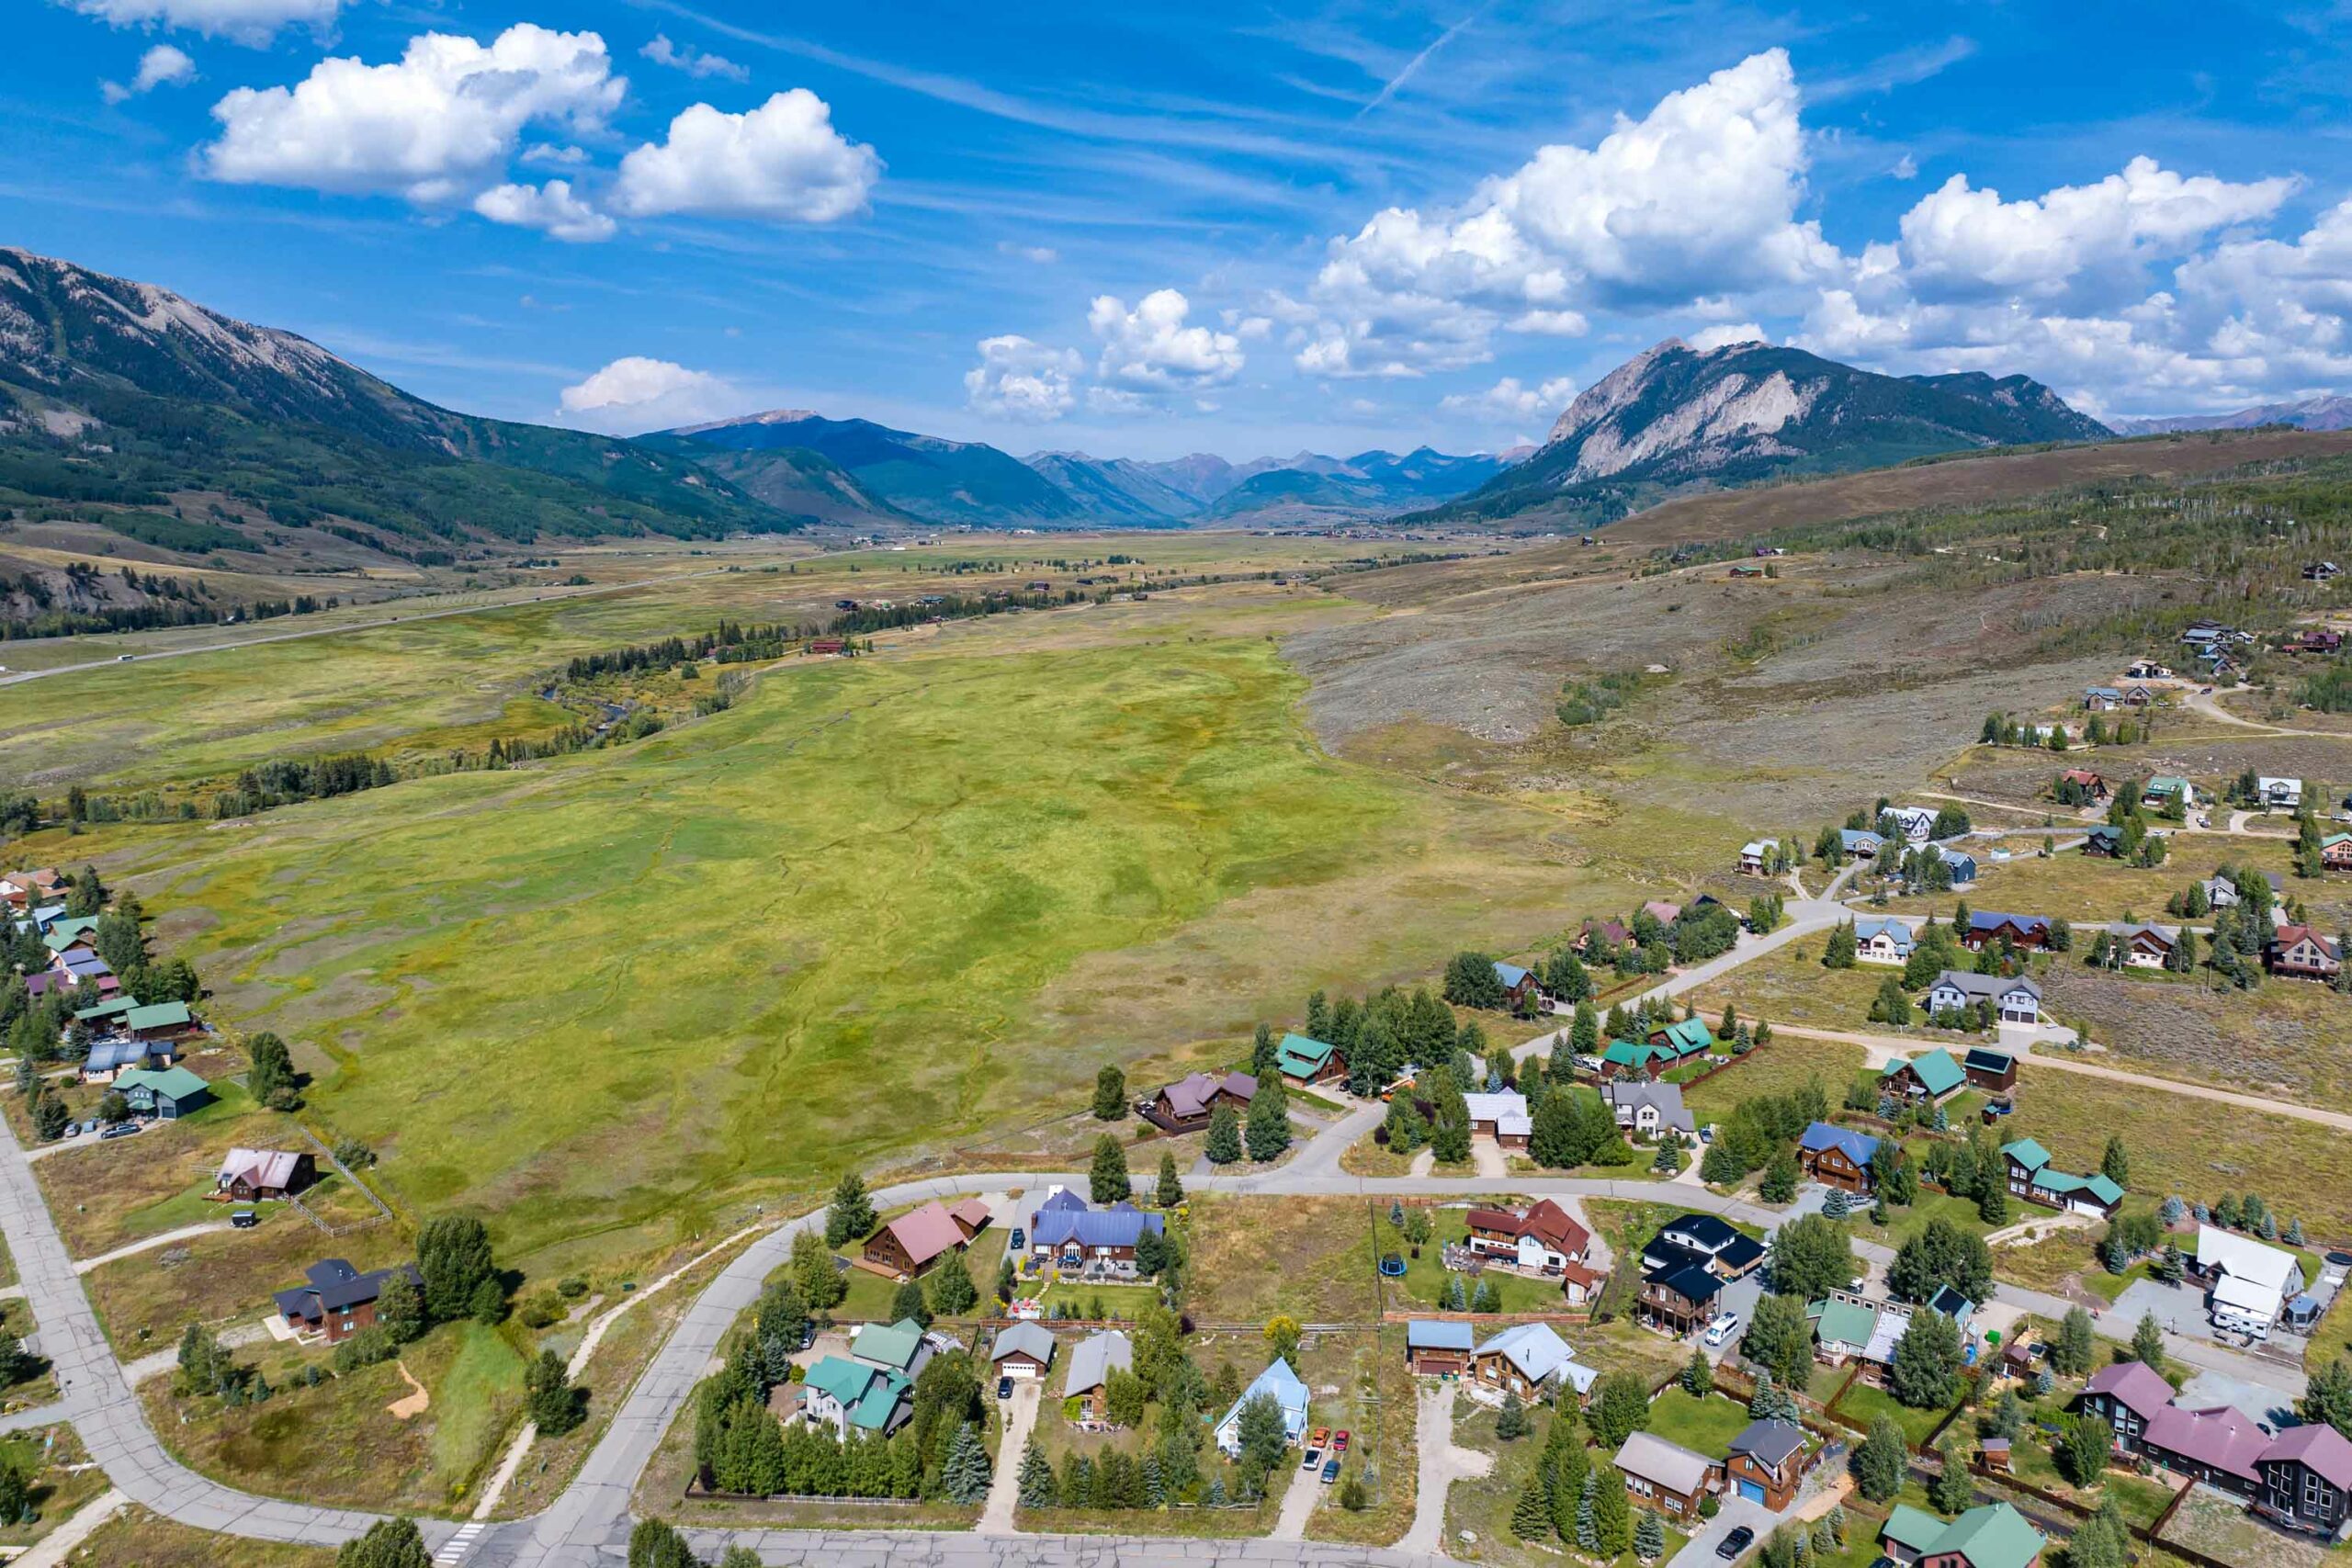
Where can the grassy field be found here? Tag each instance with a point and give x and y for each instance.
(137, 1539)
(1361, 1385)
(2089, 889)
(1704, 1426)
(700, 965)
(1482, 1505)
(147, 1299)
(338, 1444)
(1311, 1258)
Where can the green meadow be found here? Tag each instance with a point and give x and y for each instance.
(879, 908)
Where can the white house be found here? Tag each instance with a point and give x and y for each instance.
(1884, 939)
(1917, 822)
(2014, 1000)
(1753, 856)
(2248, 1283)
(2280, 794)
(1647, 1109)
(1288, 1392)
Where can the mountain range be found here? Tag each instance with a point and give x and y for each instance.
(2326, 412)
(1677, 418)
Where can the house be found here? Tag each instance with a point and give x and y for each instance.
(2335, 852)
(1635, 1058)
(1842, 1329)
(2164, 789)
(2101, 699)
(1541, 1239)
(1838, 1156)
(1686, 1037)
(2307, 1480)
(1755, 856)
(1092, 1363)
(105, 1014)
(1580, 1283)
(1677, 1295)
(107, 1059)
(1302, 1062)
(2148, 670)
(167, 1094)
(2322, 572)
(1993, 1535)
(2014, 1000)
(1288, 1394)
(1024, 1350)
(1990, 1069)
(336, 1300)
(2299, 953)
(1730, 1253)
(1609, 933)
(1186, 1105)
(902, 1346)
(2140, 945)
(1916, 823)
(2091, 782)
(1434, 1347)
(1519, 988)
(2026, 932)
(1661, 911)
(854, 1397)
(1884, 939)
(2318, 640)
(2035, 1179)
(1767, 1462)
(1524, 1359)
(2126, 1396)
(1961, 866)
(1858, 844)
(249, 1175)
(163, 1020)
(2104, 840)
(2217, 1444)
(1932, 1077)
(1647, 1111)
(1075, 1236)
(914, 1241)
(2247, 1283)
(1501, 1116)
(2221, 893)
(1664, 1475)
(2280, 794)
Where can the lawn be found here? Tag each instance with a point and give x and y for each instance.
(740, 937)
(1788, 1063)
(1865, 1403)
(62, 1478)
(1311, 1258)
(1425, 1276)
(1704, 1426)
(1359, 1384)
(338, 1445)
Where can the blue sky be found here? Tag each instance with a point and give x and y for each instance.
(1149, 229)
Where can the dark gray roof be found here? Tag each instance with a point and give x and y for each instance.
(1771, 1441)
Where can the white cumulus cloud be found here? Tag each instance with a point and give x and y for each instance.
(1509, 399)
(1151, 349)
(244, 21)
(1723, 335)
(160, 66)
(633, 394)
(1019, 379)
(692, 61)
(781, 160)
(437, 125)
(551, 208)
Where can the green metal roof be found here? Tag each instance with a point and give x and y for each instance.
(1633, 1053)
(1300, 1055)
(174, 1083)
(1905, 1525)
(2164, 784)
(1935, 1070)
(1689, 1035)
(1843, 1322)
(2027, 1153)
(2064, 1181)
(889, 1344)
(106, 1009)
(162, 1015)
(1993, 1536)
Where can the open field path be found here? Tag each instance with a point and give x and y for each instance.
(58, 1545)
(149, 1244)
(1442, 1462)
(1881, 1048)
(232, 644)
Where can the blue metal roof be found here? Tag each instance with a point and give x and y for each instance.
(1856, 1146)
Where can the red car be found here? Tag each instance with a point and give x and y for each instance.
(1340, 1444)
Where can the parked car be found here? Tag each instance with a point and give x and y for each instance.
(1719, 1331)
(120, 1130)
(1004, 1388)
(1019, 1240)
(1330, 1470)
(1321, 1439)
(245, 1219)
(1732, 1545)
(1314, 1457)
(1339, 1443)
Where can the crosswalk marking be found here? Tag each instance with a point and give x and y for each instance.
(453, 1550)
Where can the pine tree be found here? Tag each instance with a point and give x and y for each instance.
(1224, 1146)
(1589, 1513)
(1171, 1187)
(1881, 1460)
(1951, 1490)
(851, 1214)
(1612, 1518)
(2148, 1343)
(964, 1477)
(1530, 1516)
(1108, 1182)
(1698, 1377)
(1649, 1536)
(1110, 1093)
(1511, 1424)
(1268, 1128)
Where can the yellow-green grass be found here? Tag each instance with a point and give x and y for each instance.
(16, 1322)
(338, 1445)
(1376, 1406)
(1117, 1301)
(1788, 985)
(1789, 1063)
(876, 903)
(1865, 1403)
(146, 1300)
(872, 1295)
(1704, 1426)
(1312, 1259)
(2094, 889)
(138, 1539)
(62, 1478)
(1482, 1505)
(2281, 1039)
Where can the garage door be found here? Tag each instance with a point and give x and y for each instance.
(1751, 1492)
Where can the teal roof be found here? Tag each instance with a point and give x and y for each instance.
(1905, 1525)
(2063, 1181)
(2164, 784)
(1842, 1323)
(1633, 1053)
(869, 1395)
(63, 932)
(2027, 1153)
(1689, 1036)
(107, 1009)
(1993, 1536)
(173, 1083)
(1935, 1069)
(162, 1015)
(1300, 1056)
(888, 1344)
